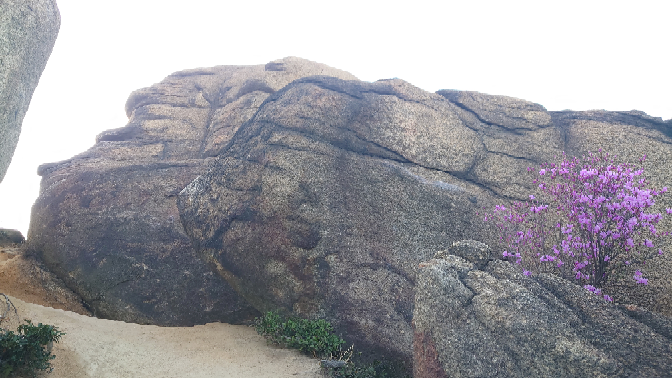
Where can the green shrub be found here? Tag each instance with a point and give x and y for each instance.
(26, 351)
(313, 337)
(317, 338)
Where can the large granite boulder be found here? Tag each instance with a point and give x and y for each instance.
(106, 221)
(28, 30)
(328, 198)
(326, 201)
(318, 196)
(480, 318)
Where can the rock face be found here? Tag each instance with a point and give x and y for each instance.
(494, 322)
(28, 30)
(293, 186)
(10, 237)
(329, 197)
(106, 221)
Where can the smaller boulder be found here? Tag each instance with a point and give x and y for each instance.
(496, 322)
(473, 251)
(10, 237)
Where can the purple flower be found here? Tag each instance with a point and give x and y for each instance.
(593, 289)
(640, 280)
(527, 272)
(604, 204)
(589, 287)
(660, 252)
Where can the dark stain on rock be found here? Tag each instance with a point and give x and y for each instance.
(426, 362)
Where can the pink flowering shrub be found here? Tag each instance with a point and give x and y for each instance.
(593, 224)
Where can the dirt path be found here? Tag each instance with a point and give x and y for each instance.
(110, 349)
(101, 348)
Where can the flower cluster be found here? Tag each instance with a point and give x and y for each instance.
(593, 225)
(639, 279)
(597, 291)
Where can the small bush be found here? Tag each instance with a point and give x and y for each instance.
(26, 352)
(317, 338)
(593, 227)
(313, 337)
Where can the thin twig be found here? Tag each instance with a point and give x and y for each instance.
(9, 308)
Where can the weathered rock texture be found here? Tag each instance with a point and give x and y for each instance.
(495, 322)
(106, 220)
(318, 196)
(329, 197)
(10, 237)
(28, 30)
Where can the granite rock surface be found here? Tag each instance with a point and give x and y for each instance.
(9, 237)
(106, 221)
(28, 30)
(293, 186)
(328, 198)
(495, 322)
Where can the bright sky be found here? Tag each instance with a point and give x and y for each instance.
(579, 55)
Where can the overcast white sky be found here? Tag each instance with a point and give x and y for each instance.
(568, 54)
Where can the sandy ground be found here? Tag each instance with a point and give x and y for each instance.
(101, 348)
(25, 278)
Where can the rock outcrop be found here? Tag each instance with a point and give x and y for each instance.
(479, 318)
(106, 220)
(10, 237)
(329, 197)
(292, 186)
(28, 30)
